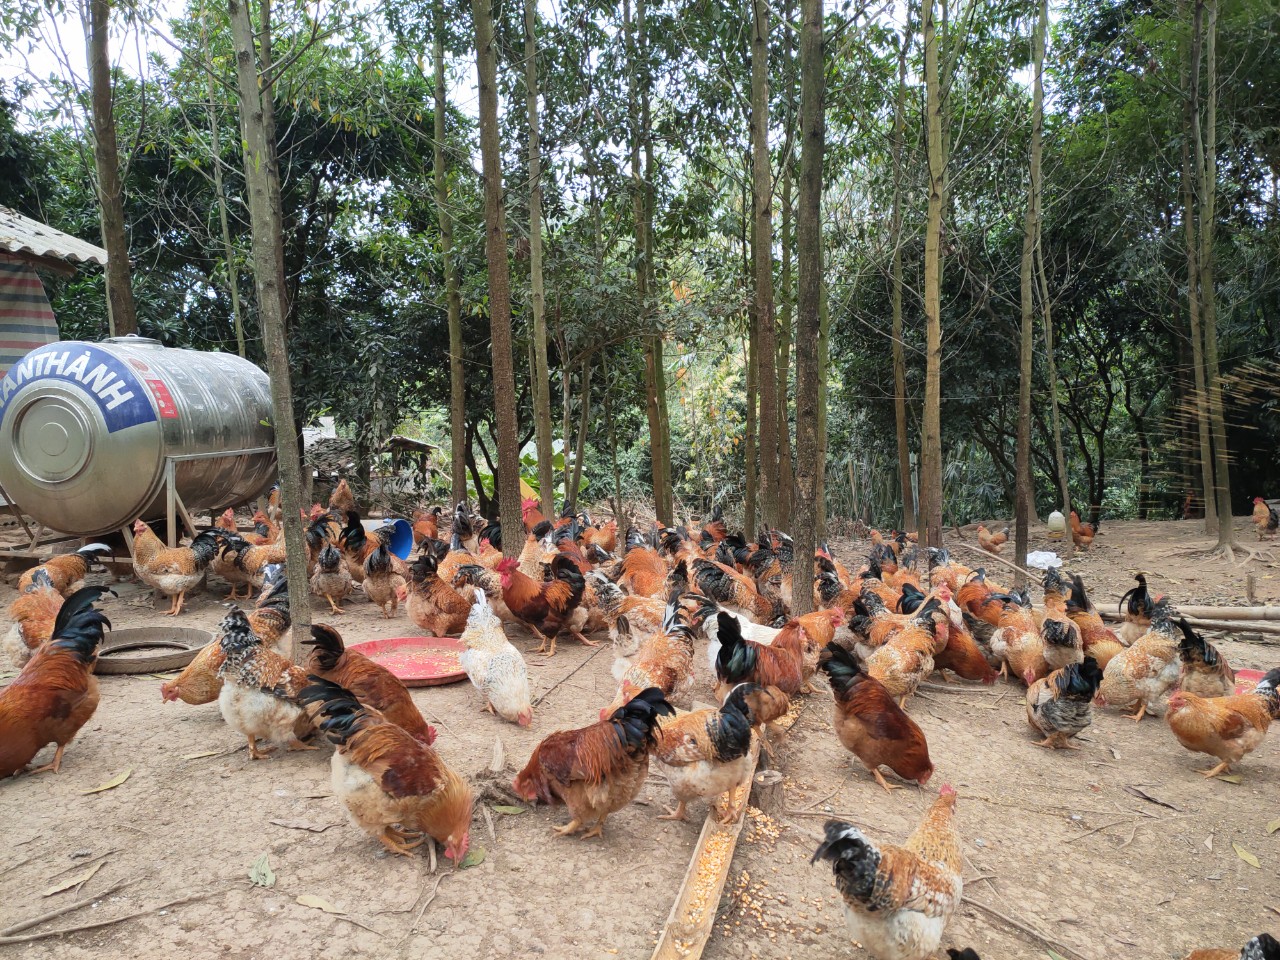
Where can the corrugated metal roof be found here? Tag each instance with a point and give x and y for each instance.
(19, 234)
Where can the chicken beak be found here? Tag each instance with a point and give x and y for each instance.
(525, 718)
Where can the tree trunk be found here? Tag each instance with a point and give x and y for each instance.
(495, 247)
(765, 330)
(453, 292)
(749, 516)
(584, 419)
(786, 469)
(931, 422)
(809, 298)
(1025, 496)
(1206, 141)
(613, 452)
(824, 344)
(1191, 127)
(542, 375)
(228, 249)
(909, 522)
(122, 314)
(269, 278)
(267, 60)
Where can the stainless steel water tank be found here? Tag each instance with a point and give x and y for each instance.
(85, 429)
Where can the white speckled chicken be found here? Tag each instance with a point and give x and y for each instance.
(706, 753)
(1142, 675)
(332, 579)
(260, 688)
(494, 665)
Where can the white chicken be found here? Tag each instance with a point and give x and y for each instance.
(494, 666)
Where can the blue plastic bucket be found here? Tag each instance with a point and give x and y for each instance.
(401, 537)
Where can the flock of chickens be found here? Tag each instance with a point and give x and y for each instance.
(877, 633)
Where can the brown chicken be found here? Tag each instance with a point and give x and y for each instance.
(171, 570)
(332, 577)
(740, 660)
(199, 682)
(736, 591)
(1225, 727)
(1096, 639)
(871, 725)
(1135, 606)
(433, 605)
(426, 524)
(1017, 643)
(1062, 640)
(545, 608)
(1205, 671)
(56, 693)
(597, 770)
(33, 614)
(1262, 947)
(260, 688)
(903, 662)
(66, 571)
(342, 501)
(643, 572)
(964, 657)
(1082, 534)
(394, 786)
(374, 684)
(898, 900)
(1266, 520)
(605, 537)
(707, 754)
(992, 542)
(664, 661)
(1142, 674)
(227, 522)
(382, 585)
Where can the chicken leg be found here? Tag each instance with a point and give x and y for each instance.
(1223, 767)
(889, 787)
(53, 765)
(570, 828)
(333, 606)
(1137, 717)
(676, 814)
(388, 840)
(584, 640)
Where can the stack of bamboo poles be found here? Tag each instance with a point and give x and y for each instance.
(1260, 621)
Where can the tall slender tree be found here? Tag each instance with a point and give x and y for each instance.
(765, 331)
(895, 297)
(122, 313)
(257, 134)
(931, 419)
(809, 293)
(541, 388)
(1024, 506)
(495, 248)
(452, 287)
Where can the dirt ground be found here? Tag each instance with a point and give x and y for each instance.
(1053, 840)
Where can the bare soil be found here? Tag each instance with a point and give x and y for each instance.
(1054, 840)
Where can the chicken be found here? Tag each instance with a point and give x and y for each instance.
(1082, 534)
(810, 634)
(597, 770)
(1225, 727)
(225, 561)
(898, 900)
(992, 542)
(871, 725)
(1262, 947)
(374, 684)
(342, 501)
(1059, 705)
(707, 753)
(426, 524)
(643, 571)
(603, 537)
(737, 591)
(629, 619)
(1205, 672)
(1096, 639)
(1062, 640)
(740, 660)
(382, 584)
(393, 785)
(1017, 643)
(259, 696)
(964, 657)
(33, 614)
(908, 657)
(56, 693)
(227, 522)
(251, 561)
(494, 666)
(664, 661)
(1142, 674)
(545, 608)
(332, 579)
(171, 570)
(199, 683)
(1135, 606)
(66, 571)
(433, 605)
(968, 953)
(530, 513)
(1265, 519)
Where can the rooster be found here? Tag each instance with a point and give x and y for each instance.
(1082, 534)
(1142, 674)
(494, 666)
(1265, 519)
(56, 693)
(1062, 641)
(871, 725)
(898, 900)
(706, 753)
(260, 688)
(171, 570)
(1096, 639)
(664, 661)
(382, 585)
(1135, 606)
(374, 684)
(740, 660)
(736, 591)
(33, 614)
(332, 579)
(1058, 705)
(437, 608)
(1262, 947)
(393, 785)
(1205, 672)
(1225, 727)
(545, 608)
(66, 571)
(992, 542)
(597, 770)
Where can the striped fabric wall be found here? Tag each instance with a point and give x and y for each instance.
(26, 319)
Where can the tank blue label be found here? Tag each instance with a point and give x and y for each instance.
(104, 377)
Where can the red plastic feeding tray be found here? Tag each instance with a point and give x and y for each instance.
(1246, 680)
(417, 661)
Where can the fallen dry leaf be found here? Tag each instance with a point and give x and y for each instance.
(509, 811)
(111, 784)
(1141, 795)
(474, 858)
(1247, 857)
(311, 900)
(261, 874)
(74, 881)
(1273, 826)
(1230, 778)
(304, 825)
